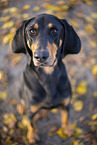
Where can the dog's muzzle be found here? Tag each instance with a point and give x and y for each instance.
(41, 56)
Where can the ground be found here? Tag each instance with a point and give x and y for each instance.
(81, 68)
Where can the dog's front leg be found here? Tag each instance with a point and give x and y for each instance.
(33, 116)
(66, 126)
(36, 113)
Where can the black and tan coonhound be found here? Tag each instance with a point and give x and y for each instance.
(46, 40)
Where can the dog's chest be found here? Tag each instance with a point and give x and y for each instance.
(39, 88)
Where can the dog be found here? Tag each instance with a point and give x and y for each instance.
(46, 40)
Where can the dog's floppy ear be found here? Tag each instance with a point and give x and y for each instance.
(18, 45)
(71, 42)
(19, 41)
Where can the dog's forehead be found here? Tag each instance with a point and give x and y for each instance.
(45, 20)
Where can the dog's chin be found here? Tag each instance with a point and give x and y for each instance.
(45, 64)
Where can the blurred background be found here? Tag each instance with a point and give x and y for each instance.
(81, 68)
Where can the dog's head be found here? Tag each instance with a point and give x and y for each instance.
(46, 39)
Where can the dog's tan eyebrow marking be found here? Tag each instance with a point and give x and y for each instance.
(36, 26)
(50, 25)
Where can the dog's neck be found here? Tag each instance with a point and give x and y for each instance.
(48, 70)
(43, 73)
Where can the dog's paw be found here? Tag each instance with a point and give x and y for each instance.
(33, 137)
(68, 129)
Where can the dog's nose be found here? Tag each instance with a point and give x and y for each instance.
(41, 56)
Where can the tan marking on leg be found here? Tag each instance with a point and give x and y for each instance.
(34, 108)
(66, 126)
(36, 26)
(32, 134)
(41, 114)
(50, 25)
(64, 117)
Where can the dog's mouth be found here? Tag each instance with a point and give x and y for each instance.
(45, 64)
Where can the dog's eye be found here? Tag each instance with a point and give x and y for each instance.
(33, 32)
(53, 31)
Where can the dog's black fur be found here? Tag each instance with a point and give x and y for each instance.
(46, 40)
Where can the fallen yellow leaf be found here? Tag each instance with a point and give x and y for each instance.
(94, 117)
(3, 19)
(64, 7)
(93, 43)
(74, 23)
(94, 70)
(1, 75)
(89, 19)
(10, 119)
(60, 132)
(95, 94)
(72, 2)
(81, 90)
(20, 109)
(93, 123)
(11, 131)
(25, 121)
(9, 141)
(88, 2)
(36, 8)
(8, 25)
(89, 28)
(77, 131)
(3, 95)
(26, 7)
(25, 16)
(77, 142)
(8, 38)
(59, 15)
(10, 10)
(13, 30)
(78, 105)
(49, 11)
(82, 87)
(94, 15)
(52, 7)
